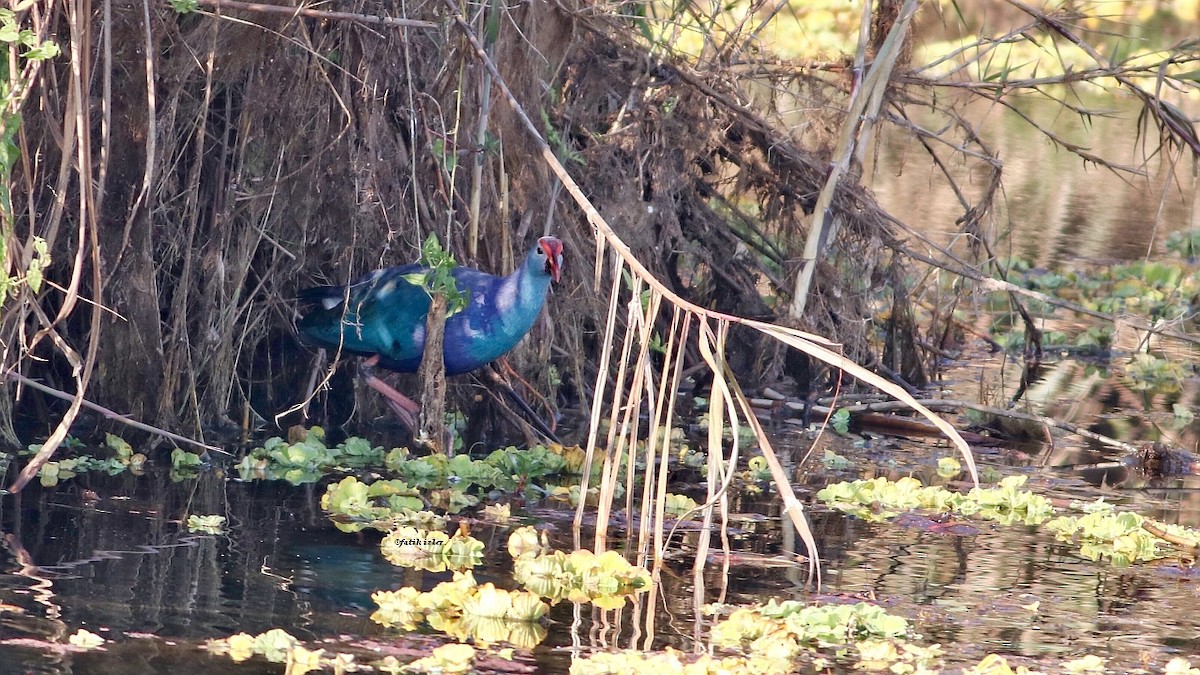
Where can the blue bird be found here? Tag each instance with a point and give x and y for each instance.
(381, 316)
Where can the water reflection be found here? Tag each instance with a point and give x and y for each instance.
(1056, 208)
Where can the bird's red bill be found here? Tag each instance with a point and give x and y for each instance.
(553, 249)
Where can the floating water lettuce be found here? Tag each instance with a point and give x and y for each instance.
(673, 662)
(949, 467)
(1007, 504)
(445, 660)
(465, 610)
(1151, 289)
(525, 465)
(497, 513)
(1150, 373)
(277, 646)
(678, 505)
(431, 550)
(580, 576)
(880, 499)
(786, 628)
(1108, 535)
(994, 664)
(65, 468)
(273, 645)
(1089, 663)
(306, 459)
(385, 504)
(206, 524)
(185, 464)
(897, 656)
(527, 542)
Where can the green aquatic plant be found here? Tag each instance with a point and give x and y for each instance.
(835, 462)
(673, 662)
(445, 660)
(1153, 374)
(1185, 243)
(278, 646)
(435, 481)
(1155, 290)
(183, 461)
(52, 472)
(679, 505)
(524, 466)
(431, 550)
(206, 524)
(840, 421)
(880, 499)
(1106, 534)
(948, 467)
(786, 630)
(308, 459)
(465, 610)
(1007, 503)
(605, 580)
(383, 505)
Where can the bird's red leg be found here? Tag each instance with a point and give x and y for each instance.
(405, 408)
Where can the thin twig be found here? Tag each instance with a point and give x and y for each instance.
(108, 414)
(318, 13)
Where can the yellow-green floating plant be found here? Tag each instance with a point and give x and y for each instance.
(465, 610)
(383, 505)
(880, 499)
(431, 550)
(580, 576)
(1120, 537)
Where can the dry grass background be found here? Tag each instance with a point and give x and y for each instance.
(234, 156)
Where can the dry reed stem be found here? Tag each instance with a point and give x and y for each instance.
(88, 245)
(865, 104)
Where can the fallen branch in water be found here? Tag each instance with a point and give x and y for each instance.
(108, 414)
(948, 405)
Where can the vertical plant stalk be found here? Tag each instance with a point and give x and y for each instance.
(865, 104)
(658, 448)
(601, 381)
(616, 441)
(79, 14)
(432, 375)
(492, 24)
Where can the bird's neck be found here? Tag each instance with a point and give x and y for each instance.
(520, 296)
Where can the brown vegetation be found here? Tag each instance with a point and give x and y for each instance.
(190, 172)
(272, 152)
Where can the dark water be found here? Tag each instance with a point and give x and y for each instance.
(124, 567)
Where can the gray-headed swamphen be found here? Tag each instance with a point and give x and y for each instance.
(381, 316)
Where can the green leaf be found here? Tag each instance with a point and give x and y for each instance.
(46, 50)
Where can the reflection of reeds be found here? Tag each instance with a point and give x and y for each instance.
(634, 387)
